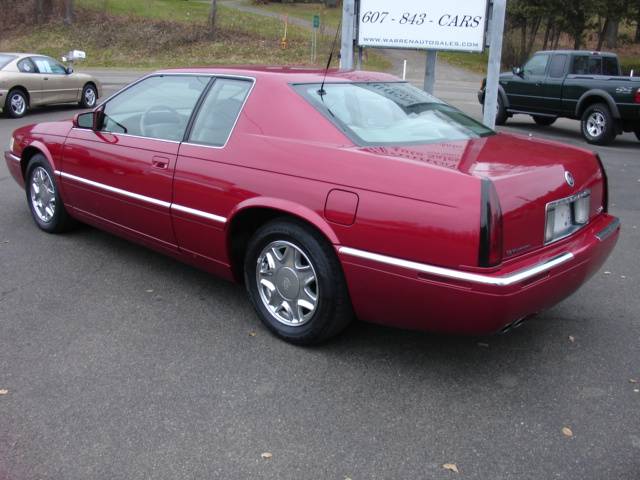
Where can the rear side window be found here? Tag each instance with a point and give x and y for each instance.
(556, 70)
(49, 65)
(219, 112)
(26, 66)
(5, 59)
(587, 65)
(610, 66)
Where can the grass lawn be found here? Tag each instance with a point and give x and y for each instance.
(170, 33)
(328, 16)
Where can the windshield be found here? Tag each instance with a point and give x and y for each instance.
(393, 113)
(4, 59)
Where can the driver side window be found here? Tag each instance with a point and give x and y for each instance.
(157, 107)
(537, 65)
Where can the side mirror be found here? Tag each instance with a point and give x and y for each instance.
(69, 70)
(89, 120)
(518, 71)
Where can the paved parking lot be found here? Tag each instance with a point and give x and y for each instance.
(124, 364)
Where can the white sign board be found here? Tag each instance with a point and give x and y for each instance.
(423, 24)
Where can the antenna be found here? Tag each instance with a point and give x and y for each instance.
(322, 92)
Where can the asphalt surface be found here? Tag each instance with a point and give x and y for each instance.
(120, 363)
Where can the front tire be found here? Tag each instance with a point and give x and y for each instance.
(543, 121)
(16, 104)
(43, 197)
(637, 132)
(89, 96)
(295, 283)
(598, 125)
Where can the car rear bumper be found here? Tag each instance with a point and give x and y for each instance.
(417, 296)
(13, 164)
(481, 96)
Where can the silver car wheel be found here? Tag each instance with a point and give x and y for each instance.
(90, 97)
(596, 124)
(18, 104)
(287, 283)
(43, 194)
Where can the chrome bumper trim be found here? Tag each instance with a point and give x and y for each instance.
(143, 198)
(502, 281)
(13, 157)
(609, 230)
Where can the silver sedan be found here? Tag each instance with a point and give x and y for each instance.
(28, 80)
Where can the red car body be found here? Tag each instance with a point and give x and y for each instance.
(405, 222)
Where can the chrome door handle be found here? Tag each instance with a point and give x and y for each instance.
(160, 162)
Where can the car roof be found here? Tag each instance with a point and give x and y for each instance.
(585, 52)
(289, 74)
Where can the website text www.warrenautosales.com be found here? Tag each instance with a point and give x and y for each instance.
(419, 43)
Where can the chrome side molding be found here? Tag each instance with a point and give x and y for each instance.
(500, 281)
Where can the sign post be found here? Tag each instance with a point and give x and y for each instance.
(314, 38)
(348, 28)
(496, 31)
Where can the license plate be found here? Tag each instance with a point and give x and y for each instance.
(566, 215)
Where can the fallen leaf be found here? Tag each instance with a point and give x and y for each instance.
(266, 455)
(4, 391)
(607, 272)
(567, 432)
(572, 338)
(633, 380)
(252, 334)
(451, 466)
(150, 290)
(623, 276)
(484, 345)
(637, 390)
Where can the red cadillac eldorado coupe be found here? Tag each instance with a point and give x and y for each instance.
(351, 195)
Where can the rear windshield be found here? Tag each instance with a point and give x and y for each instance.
(5, 59)
(391, 113)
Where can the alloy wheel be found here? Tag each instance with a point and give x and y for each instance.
(18, 104)
(596, 124)
(287, 283)
(43, 195)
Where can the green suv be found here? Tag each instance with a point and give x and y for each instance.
(581, 85)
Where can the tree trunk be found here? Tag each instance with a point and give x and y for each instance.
(547, 35)
(523, 42)
(611, 33)
(601, 34)
(637, 39)
(212, 19)
(533, 33)
(68, 12)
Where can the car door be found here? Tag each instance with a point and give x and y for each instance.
(206, 181)
(31, 80)
(525, 91)
(122, 173)
(552, 88)
(56, 87)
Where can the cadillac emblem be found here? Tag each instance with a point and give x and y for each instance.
(569, 178)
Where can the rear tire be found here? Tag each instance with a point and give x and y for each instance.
(543, 121)
(295, 283)
(89, 96)
(16, 104)
(598, 125)
(43, 197)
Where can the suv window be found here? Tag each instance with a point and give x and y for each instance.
(49, 65)
(157, 107)
(26, 66)
(537, 65)
(556, 69)
(610, 66)
(219, 112)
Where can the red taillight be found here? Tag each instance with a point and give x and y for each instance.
(637, 97)
(490, 226)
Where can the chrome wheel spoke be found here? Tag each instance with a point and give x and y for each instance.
(287, 283)
(43, 195)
